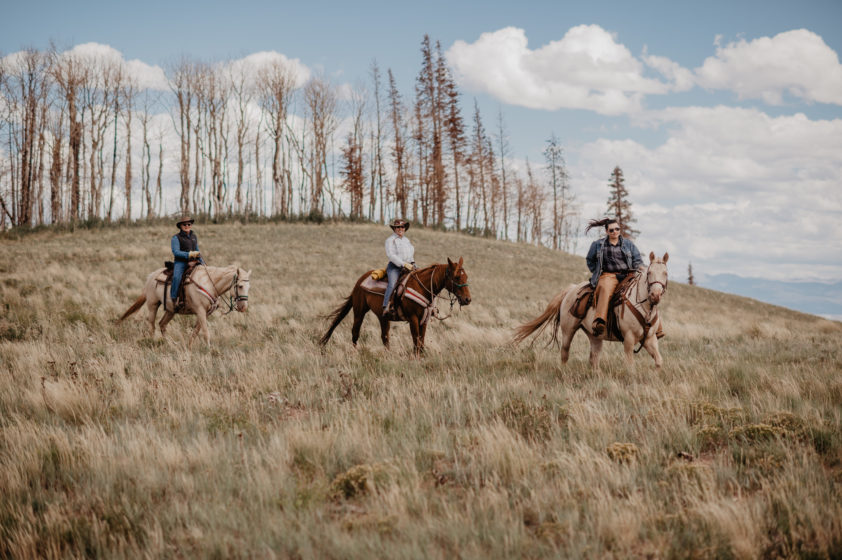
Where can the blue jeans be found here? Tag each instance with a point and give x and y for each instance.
(392, 274)
(178, 269)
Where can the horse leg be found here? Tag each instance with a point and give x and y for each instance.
(651, 346)
(596, 348)
(164, 320)
(201, 325)
(628, 348)
(566, 340)
(422, 332)
(360, 309)
(384, 331)
(414, 330)
(151, 312)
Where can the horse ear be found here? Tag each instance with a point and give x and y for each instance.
(461, 260)
(651, 256)
(666, 257)
(449, 262)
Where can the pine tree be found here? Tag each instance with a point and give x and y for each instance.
(690, 278)
(619, 206)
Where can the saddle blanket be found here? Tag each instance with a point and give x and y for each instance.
(379, 287)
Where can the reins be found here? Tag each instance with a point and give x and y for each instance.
(232, 300)
(646, 324)
(237, 297)
(434, 296)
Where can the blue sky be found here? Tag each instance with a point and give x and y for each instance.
(727, 116)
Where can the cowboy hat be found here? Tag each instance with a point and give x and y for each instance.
(184, 220)
(399, 222)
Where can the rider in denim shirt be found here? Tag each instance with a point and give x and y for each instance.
(605, 269)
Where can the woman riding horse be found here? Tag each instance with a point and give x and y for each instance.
(185, 248)
(610, 259)
(401, 255)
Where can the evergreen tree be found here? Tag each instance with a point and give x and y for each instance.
(690, 278)
(619, 206)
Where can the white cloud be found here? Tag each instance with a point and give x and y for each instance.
(144, 75)
(586, 69)
(253, 63)
(732, 190)
(797, 63)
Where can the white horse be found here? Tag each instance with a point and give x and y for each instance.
(637, 316)
(201, 296)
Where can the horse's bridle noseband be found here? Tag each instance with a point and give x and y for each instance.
(237, 297)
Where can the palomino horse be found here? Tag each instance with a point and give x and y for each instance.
(416, 306)
(637, 316)
(201, 296)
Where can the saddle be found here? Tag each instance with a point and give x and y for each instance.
(165, 277)
(584, 301)
(374, 285)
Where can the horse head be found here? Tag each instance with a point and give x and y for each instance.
(456, 281)
(241, 289)
(656, 277)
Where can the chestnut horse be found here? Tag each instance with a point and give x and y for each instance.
(423, 286)
(637, 316)
(202, 294)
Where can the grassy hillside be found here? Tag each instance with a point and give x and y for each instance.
(114, 444)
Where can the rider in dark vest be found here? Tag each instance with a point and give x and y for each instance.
(185, 248)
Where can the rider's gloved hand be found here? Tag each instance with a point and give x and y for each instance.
(193, 255)
(408, 266)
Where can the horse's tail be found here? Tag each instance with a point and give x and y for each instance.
(336, 317)
(551, 313)
(135, 306)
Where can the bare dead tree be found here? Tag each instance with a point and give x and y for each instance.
(71, 75)
(56, 161)
(378, 175)
(182, 80)
(25, 86)
(502, 138)
(128, 92)
(536, 200)
(399, 146)
(563, 199)
(481, 183)
(243, 92)
(150, 101)
(275, 89)
(352, 154)
(102, 102)
(455, 129)
(320, 99)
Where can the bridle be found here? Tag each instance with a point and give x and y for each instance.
(646, 322)
(237, 297)
(653, 283)
(448, 277)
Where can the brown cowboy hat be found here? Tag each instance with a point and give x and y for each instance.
(184, 220)
(399, 222)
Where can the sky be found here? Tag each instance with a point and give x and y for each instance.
(725, 116)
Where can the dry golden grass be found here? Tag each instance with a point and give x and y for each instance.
(114, 444)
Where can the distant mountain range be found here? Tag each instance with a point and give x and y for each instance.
(810, 297)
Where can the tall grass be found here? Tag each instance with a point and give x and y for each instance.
(116, 445)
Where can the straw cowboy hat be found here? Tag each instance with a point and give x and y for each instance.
(184, 220)
(399, 222)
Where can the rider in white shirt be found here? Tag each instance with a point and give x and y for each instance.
(401, 255)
